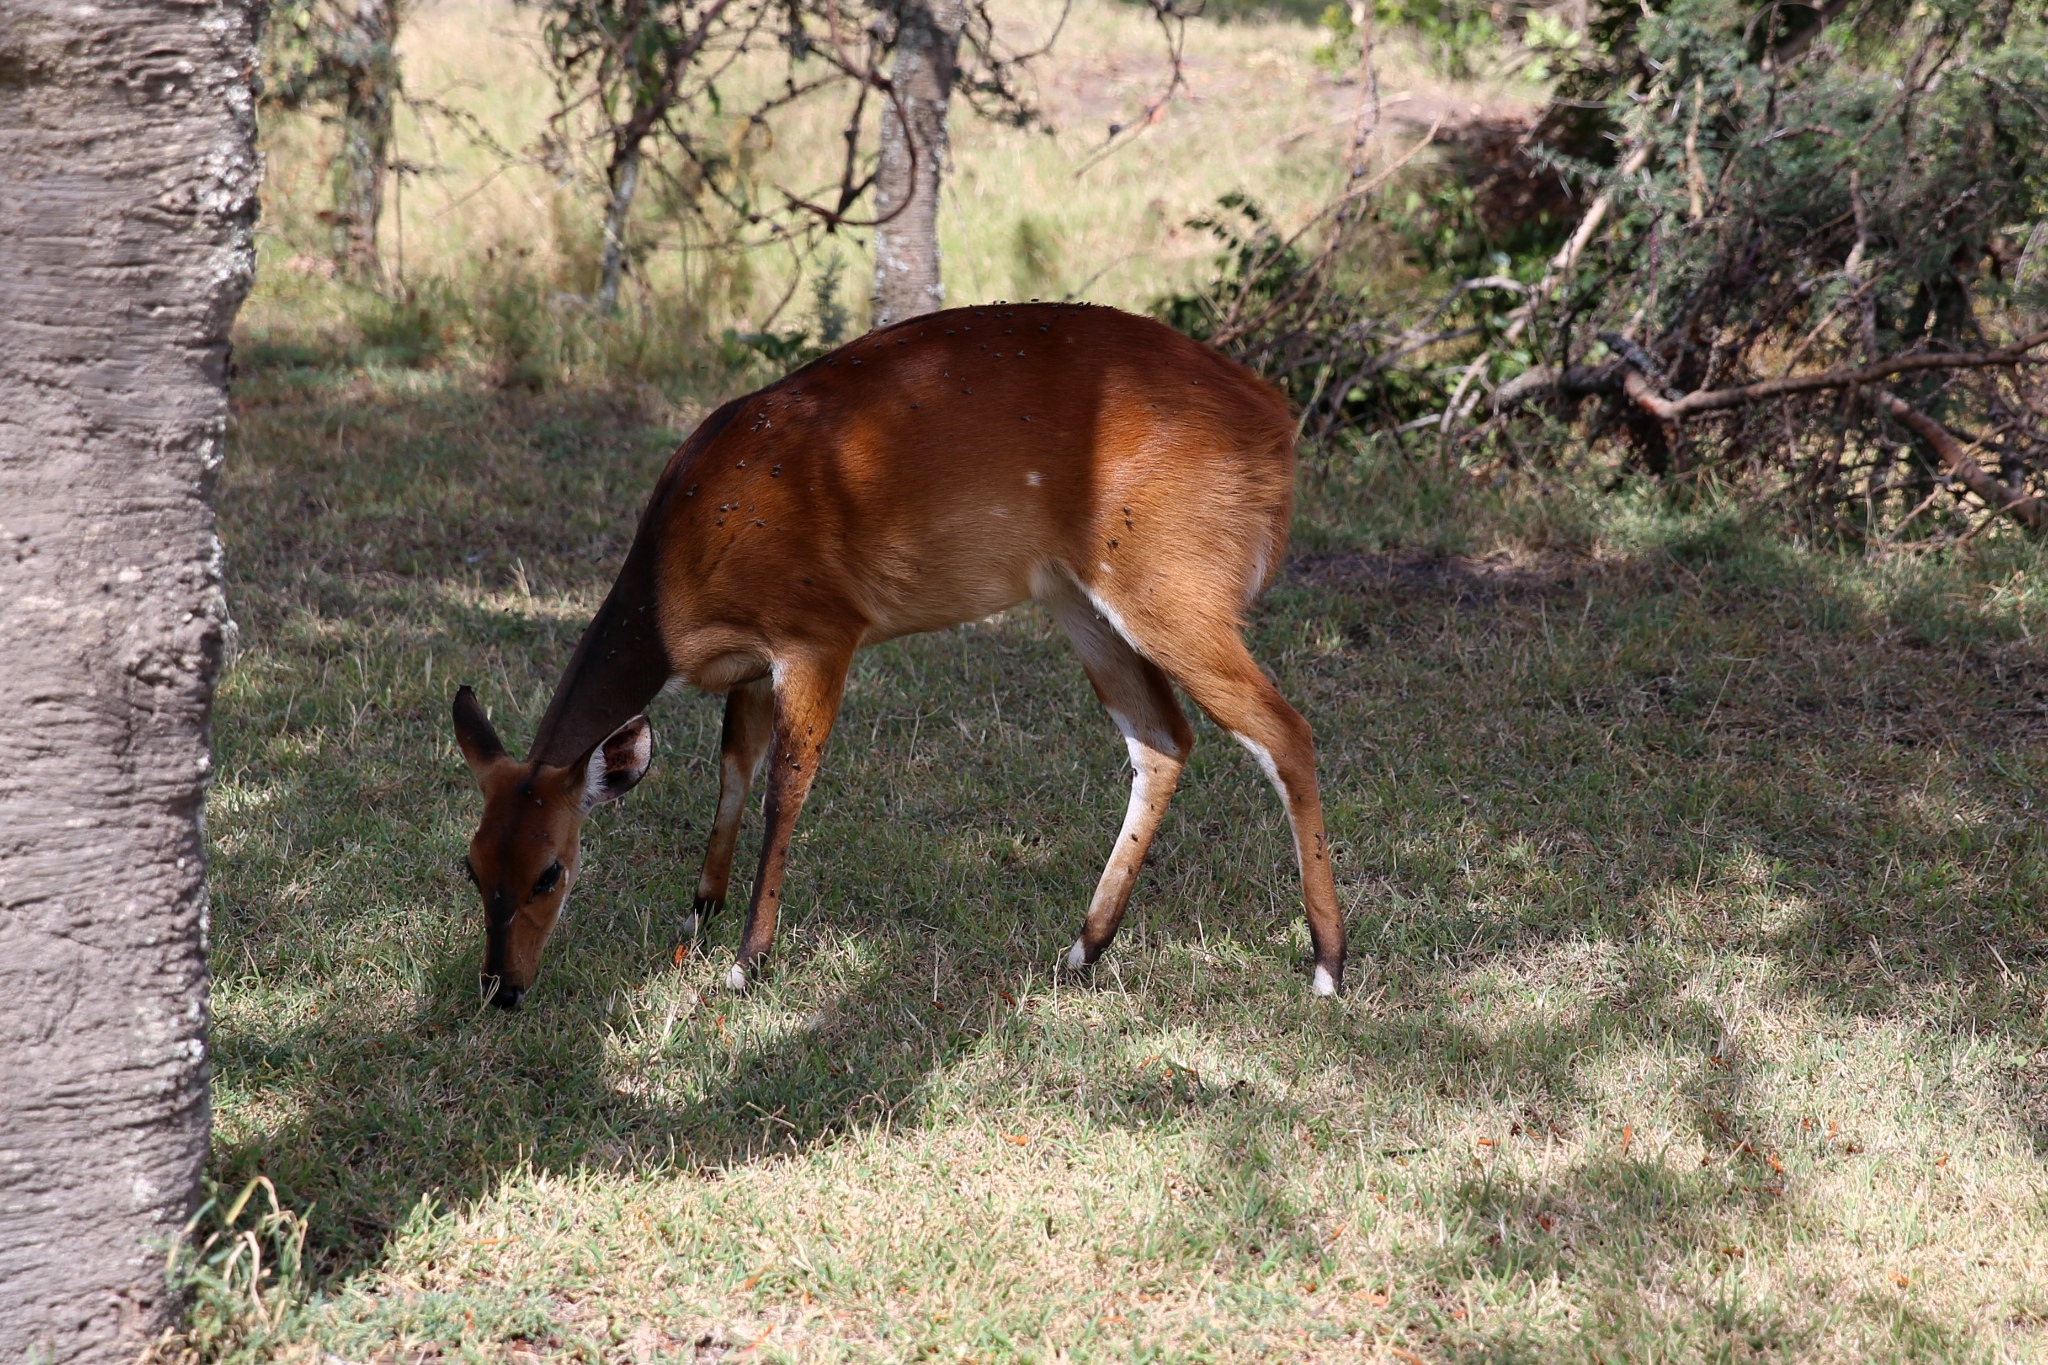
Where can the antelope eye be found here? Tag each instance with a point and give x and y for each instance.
(549, 879)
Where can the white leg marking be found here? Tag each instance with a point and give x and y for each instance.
(1109, 614)
(1266, 765)
(1142, 780)
(1077, 957)
(690, 926)
(732, 797)
(736, 979)
(1325, 983)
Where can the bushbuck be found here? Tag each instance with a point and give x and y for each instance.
(935, 472)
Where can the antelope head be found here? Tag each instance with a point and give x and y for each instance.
(526, 849)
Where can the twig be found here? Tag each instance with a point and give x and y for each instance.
(1173, 25)
(1854, 296)
(1232, 328)
(1555, 272)
(1939, 488)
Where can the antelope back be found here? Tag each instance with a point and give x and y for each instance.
(924, 474)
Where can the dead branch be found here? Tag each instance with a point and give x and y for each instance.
(1720, 400)
(1959, 462)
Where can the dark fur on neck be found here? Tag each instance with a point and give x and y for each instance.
(621, 662)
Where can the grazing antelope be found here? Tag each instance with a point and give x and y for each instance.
(933, 472)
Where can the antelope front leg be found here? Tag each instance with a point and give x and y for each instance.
(749, 729)
(807, 693)
(1140, 699)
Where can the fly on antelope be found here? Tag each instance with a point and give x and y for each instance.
(935, 472)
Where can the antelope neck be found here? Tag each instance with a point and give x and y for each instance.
(621, 661)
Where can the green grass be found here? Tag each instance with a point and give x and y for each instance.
(1694, 875)
(1694, 881)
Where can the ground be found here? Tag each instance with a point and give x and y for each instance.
(1693, 877)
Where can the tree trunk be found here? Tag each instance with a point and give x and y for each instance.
(128, 177)
(369, 62)
(912, 158)
(622, 179)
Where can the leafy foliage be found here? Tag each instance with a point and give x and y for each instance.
(1767, 190)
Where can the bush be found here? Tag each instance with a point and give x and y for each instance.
(1763, 197)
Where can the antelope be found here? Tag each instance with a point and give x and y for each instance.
(935, 472)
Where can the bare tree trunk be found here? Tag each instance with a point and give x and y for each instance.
(912, 159)
(369, 60)
(622, 180)
(128, 178)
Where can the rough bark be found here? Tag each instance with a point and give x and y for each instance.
(912, 159)
(127, 194)
(368, 60)
(621, 180)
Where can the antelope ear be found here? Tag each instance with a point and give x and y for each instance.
(617, 765)
(474, 735)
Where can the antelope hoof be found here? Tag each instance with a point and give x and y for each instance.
(1325, 982)
(1077, 956)
(736, 979)
(698, 921)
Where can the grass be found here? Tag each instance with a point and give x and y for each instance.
(1693, 874)
(1030, 212)
(1694, 879)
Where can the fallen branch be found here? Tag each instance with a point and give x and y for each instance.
(1626, 374)
(1959, 462)
(1545, 381)
(1719, 400)
(1642, 391)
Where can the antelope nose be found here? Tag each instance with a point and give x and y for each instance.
(502, 993)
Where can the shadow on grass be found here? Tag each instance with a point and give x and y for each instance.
(1626, 781)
